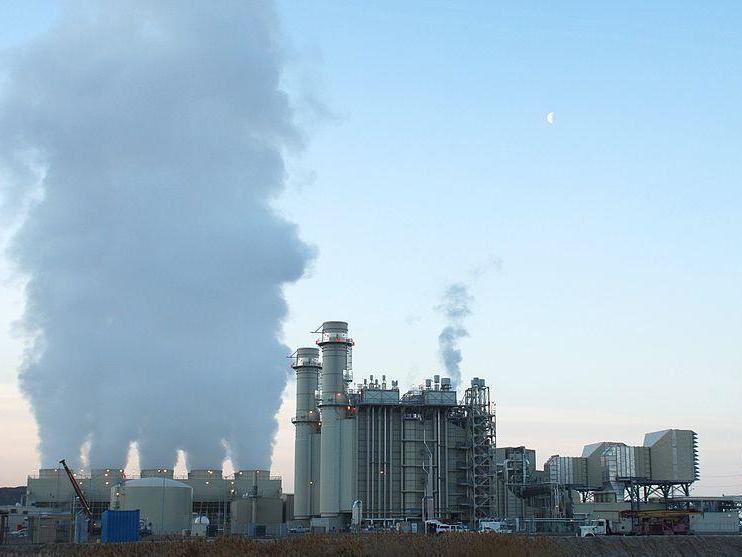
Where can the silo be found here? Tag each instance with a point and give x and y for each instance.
(307, 365)
(165, 505)
(336, 346)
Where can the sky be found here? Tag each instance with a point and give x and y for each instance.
(615, 306)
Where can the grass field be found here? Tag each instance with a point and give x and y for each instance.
(457, 545)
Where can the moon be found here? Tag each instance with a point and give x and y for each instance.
(550, 117)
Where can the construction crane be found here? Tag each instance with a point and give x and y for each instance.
(76, 486)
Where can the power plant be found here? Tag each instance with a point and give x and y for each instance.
(390, 456)
(369, 456)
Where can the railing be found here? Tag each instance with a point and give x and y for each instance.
(177, 477)
(302, 362)
(334, 337)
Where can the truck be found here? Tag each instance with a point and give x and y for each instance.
(641, 523)
(496, 526)
(667, 522)
(597, 527)
(434, 526)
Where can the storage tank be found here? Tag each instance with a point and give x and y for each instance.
(307, 365)
(165, 505)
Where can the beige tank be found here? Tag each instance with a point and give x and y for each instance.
(164, 505)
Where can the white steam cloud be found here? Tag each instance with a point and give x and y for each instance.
(455, 306)
(154, 260)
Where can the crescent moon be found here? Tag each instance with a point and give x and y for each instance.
(550, 117)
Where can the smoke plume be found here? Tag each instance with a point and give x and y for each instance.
(455, 306)
(154, 260)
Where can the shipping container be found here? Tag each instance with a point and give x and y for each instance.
(120, 526)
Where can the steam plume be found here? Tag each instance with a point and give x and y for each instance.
(455, 306)
(155, 261)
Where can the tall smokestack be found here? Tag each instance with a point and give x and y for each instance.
(155, 261)
(306, 473)
(335, 344)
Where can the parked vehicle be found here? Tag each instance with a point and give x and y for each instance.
(598, 527)
(438, 527)
(496, 526)
(641, 523)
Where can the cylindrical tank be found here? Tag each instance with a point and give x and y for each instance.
(335, 345)
(165, 505)
(307, 366)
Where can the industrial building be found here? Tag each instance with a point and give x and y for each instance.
(606, 480)
(368, 454)
(234, 503)
(392, 456)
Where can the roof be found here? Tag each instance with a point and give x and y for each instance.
(651, 438)
(156, 482)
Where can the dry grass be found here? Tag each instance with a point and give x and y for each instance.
(457, 545)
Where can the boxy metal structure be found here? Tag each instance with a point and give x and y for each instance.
(396, 457)
(119, 526)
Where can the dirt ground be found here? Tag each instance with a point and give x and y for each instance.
(456, 545)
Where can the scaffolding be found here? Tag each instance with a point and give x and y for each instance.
(480, 421)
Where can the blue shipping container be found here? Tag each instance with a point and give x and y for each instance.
(119, 526)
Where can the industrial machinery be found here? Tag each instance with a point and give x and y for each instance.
(80, 495)
(420, 455)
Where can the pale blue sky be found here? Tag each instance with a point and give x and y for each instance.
(618, 306)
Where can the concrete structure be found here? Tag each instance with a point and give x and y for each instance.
(307, 364)
(421, 454)
(213, 493)
(165, 505)
(250, 511)
(51, 488)
(336, 449)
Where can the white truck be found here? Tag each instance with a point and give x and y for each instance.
(597, 527)
(496, 526)
(438, 527)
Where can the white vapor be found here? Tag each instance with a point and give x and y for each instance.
(455, 306)
(154, 260)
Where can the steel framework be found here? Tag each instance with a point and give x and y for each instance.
(480, 420)
(640, 490)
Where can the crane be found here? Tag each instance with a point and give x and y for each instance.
(76, 486)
